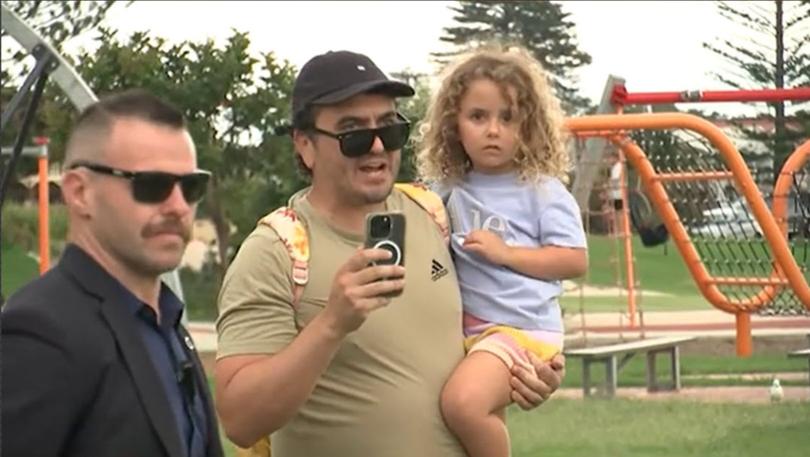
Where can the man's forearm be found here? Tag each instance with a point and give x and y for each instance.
(263, 394)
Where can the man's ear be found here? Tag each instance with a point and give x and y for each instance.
(76, 193)
(304, 147)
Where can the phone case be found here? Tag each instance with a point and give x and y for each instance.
(393, 241)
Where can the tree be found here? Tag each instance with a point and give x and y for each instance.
(232, 101)
(414, 108)
(541, 26)
(56, 22)
(775, 54)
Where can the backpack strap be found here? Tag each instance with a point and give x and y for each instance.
(430, 202)
(293, 234)
(260, 448)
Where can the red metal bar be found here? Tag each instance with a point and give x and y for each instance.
(620, 96)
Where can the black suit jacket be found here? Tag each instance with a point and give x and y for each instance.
(76, 376)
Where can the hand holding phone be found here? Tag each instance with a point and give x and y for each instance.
(359, 288)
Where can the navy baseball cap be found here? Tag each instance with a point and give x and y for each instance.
(337, 76)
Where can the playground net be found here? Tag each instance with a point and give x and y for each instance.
(707, 201)
(719, 221)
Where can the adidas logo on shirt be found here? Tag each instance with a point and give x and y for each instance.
(437, 270)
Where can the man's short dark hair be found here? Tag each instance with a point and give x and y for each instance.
(305, 122)
(136, 103)
(97, 119)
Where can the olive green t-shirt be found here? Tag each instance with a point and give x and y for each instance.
(380, 394)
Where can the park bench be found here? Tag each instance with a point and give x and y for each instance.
(608, 355)
(802, 353)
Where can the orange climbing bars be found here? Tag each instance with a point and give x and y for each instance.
(786, 271)
(781, 189)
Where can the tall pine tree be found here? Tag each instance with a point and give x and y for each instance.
(775, 54)
(540, 26)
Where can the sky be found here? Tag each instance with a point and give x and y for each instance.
(653, 45)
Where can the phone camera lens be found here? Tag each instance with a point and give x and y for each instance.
(380, 227)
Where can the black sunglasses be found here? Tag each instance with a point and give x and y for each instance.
(356, 143)
(156, 186)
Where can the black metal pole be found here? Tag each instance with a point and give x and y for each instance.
(42, 69)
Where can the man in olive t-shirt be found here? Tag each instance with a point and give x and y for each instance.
(379, 395)
(346, 371)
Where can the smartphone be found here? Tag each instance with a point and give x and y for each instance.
(387, 231)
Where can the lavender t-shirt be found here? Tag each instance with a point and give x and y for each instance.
(523, 214)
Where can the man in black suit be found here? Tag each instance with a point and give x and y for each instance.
(95, 361)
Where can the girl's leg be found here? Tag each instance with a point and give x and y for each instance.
(473, 402)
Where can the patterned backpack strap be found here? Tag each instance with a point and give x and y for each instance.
(293, 234)
(430, 202)
(260, 449)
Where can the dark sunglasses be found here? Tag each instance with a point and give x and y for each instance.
(356, 143)
(156, 186)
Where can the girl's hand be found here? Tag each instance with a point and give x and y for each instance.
(488, 245)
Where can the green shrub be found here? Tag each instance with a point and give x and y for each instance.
(200, 291)
(21, 227)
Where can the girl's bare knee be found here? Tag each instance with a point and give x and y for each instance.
(460, 406)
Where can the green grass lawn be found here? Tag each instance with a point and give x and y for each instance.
(572, 303)
(18, 269)
(656, 268)
(638, 428)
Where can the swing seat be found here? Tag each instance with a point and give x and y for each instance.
(640, 215)
(651, 237)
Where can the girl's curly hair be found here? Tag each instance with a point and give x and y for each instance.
(541, 148)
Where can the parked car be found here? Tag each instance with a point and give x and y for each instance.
(734, 220)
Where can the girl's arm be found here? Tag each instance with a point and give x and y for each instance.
(563, 250)
(546, 262)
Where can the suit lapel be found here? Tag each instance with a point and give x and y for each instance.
(98, 282)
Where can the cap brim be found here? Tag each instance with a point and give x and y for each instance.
(393, 88)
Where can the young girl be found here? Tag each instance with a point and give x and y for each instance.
(493, 146)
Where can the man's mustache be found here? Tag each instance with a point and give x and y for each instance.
(168, 226)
